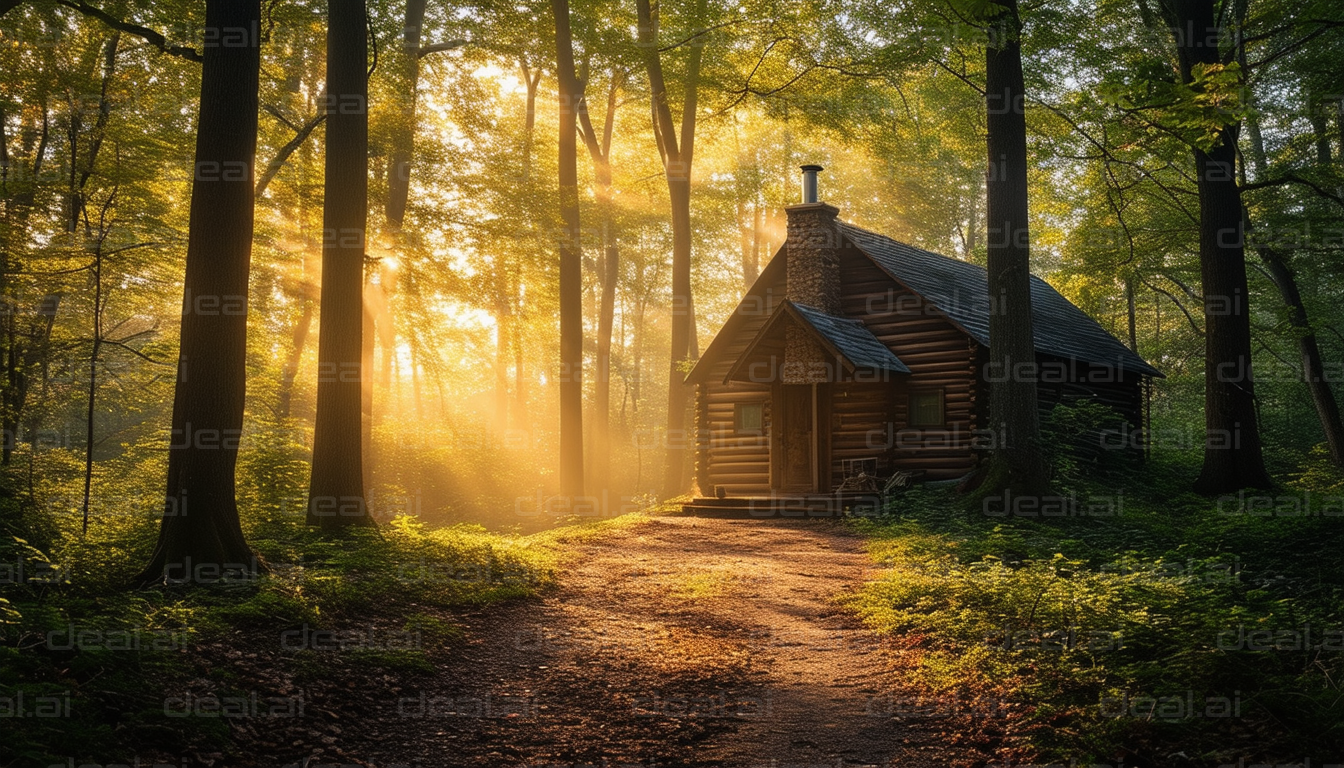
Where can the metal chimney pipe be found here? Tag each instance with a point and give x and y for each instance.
(810, 183)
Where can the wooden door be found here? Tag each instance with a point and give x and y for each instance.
(796, 441)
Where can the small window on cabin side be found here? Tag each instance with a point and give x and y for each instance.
(750, 417)
(926, 409)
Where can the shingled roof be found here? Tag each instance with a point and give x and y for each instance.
(851, 339)
(848, 340)
(961, 291)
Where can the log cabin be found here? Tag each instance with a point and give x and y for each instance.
(853, 352)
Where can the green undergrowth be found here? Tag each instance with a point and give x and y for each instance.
(1150, 626)
(77, 644)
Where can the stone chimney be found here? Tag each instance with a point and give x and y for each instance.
(813, 278)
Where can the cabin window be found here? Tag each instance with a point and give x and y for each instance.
(750, 417)
(926, 409)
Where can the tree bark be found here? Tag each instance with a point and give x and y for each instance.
(502, 302)
(336, 490)
(677, 160)
(94, 350)
(532, 81)
(1313, 367)
(367, 329)
(298, 340)
(18, 361)
(1232, 450)
(599, 149)
(200, 538)
(403, 132)
(1131, 314)
(1016, 462)
(571, 264)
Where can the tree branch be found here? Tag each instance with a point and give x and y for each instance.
(425, 50)
(1193, 325)
(148, 35)
(702, 32)
(1292, 178)
(273, 167)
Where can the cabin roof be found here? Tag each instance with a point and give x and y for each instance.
(852, 339)
(848, 340)
(961, 290)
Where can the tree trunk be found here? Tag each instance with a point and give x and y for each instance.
(571, 265)
(532, 81)
(403, 131)
(679, 192)
(290, 371)
(501, 350)
(367, 329)
(749, 234)
(1131, 314)
(599, 149)
(677, 160)
(1320, 126)
(1232, 450)
(201, 539)
(1016, 462)
(1313, 367)
(94, 350)
(336, 491)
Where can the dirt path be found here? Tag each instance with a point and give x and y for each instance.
(679, 642)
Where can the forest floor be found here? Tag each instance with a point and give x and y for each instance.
(674, 642)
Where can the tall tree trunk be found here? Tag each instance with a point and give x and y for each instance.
(413, 342)
(1232, 451)
(571, 265)
(1016, 462)
(403, 132)
(519, 359)
(532, 81)
(1313, 367)
(24, 360)
(368, 330)
(677, 160)
(599, 149)
(502, 301)
(336, 490)
(200, 538)
(18, 206)
(94, 351)
(1131, 314)
(1320, 126)
(749, 234)
(298, 340)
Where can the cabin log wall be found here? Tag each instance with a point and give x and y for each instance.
(740, 462)
(868, 412)
(940, 356)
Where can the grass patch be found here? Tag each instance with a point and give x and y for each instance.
(109, 659)
(1178, 630)
(700, 586)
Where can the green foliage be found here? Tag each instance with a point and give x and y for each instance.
(1086, 440)
(116, 655)
(1197, 111)
(1319, 474)
(1067, 621)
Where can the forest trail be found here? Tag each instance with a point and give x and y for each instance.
(676, 642)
